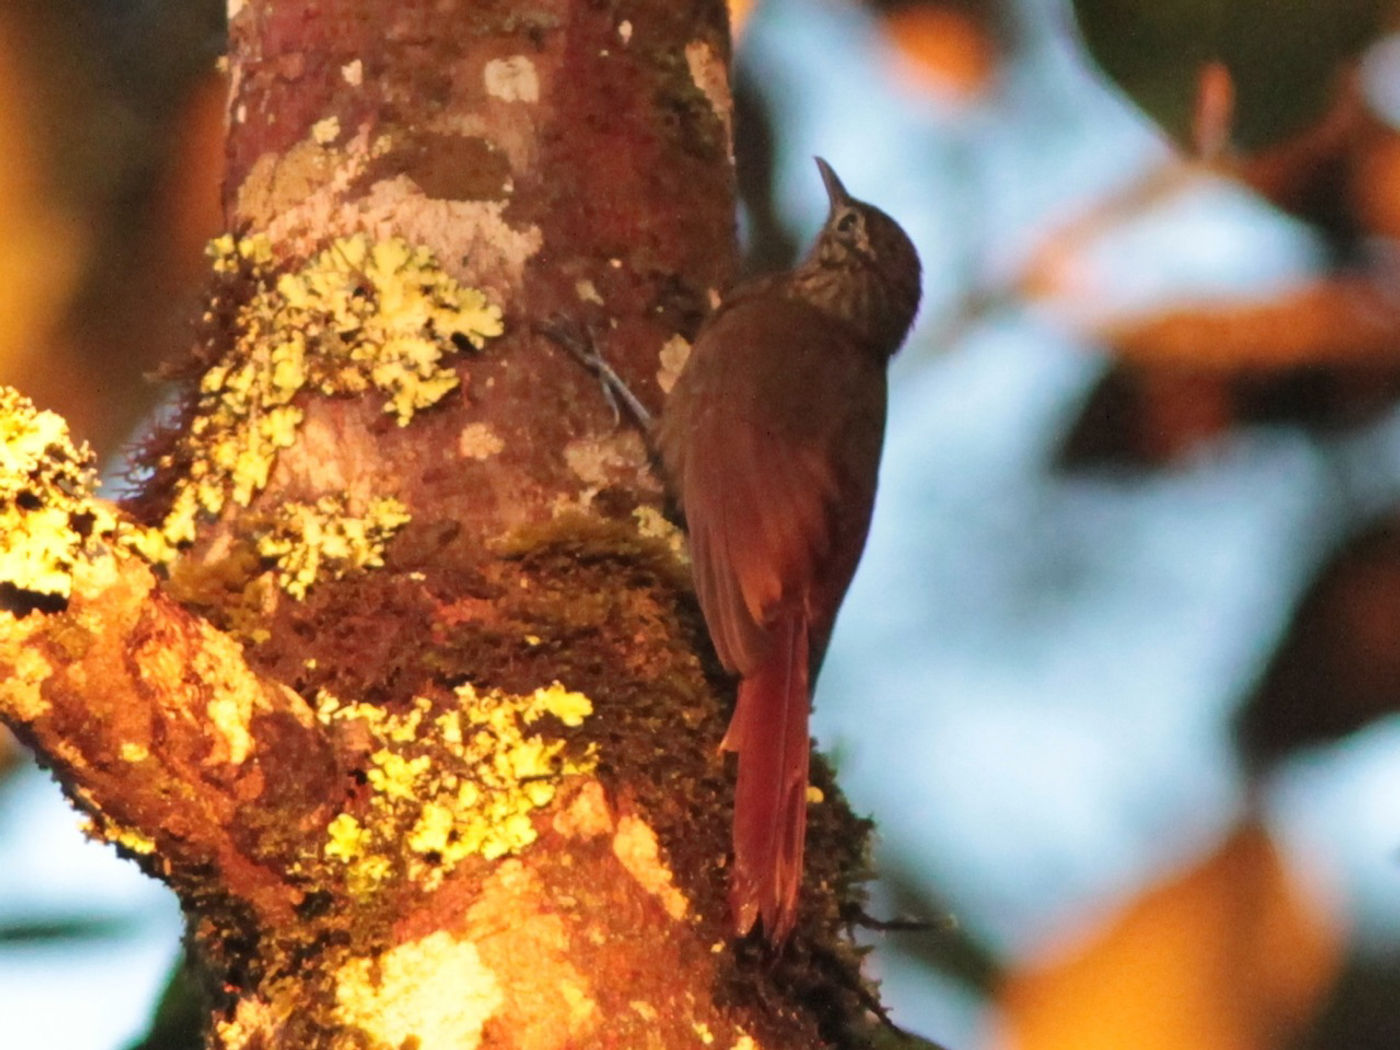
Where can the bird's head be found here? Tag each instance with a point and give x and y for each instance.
(863, 268)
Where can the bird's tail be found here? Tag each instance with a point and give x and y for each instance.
(769, 732)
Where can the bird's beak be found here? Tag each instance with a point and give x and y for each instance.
(835, 192)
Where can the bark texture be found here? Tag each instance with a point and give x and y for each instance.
(416, 711)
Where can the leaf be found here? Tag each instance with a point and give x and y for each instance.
(1282, 55)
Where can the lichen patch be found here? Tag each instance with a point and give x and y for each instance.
(636, 847)
(323, 540)
(711, 77)
(494, 253)
(233, 698)
(299, 194)
(324, 132)
(46, 510)
(447, 785)
(252, 1017)
(104, 830)
(512, 79)
(361, 316)
(587, 815)
(278, 182)
(600, 461)
(672, 357)
(21, 694)
(549, 1003)
(652, 524)
(479, 441)
(52, 526)
(434, 993)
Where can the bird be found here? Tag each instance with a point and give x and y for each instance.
(770, 441)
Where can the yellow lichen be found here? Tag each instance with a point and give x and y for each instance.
(232, 699)
(49, 517)
(21, 694)
(582, 1008)
(228, 716)
(396, 777)
(361, 315)
(462, 784)
(435, 994)
(321, 540)
(46, 513)
(105, 829)
(134, 841)
(652, 524)
(252, 1016)
(346, 839)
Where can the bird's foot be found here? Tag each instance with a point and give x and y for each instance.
(578, 341)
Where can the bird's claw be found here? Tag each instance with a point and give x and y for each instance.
(579, 342)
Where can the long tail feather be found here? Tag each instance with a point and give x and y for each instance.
(769, 732)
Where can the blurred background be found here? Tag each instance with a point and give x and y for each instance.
(1120, 673)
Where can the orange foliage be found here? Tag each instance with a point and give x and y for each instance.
(1230, 955)
(1374, 184)
(945, 49)
(1343, 319)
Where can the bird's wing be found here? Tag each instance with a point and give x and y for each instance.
(781, 445)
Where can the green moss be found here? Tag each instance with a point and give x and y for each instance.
(646, 543)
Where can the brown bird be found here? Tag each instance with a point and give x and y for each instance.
(771, 441)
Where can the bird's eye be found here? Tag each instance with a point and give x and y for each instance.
(847, 222)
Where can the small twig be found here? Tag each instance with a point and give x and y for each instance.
(871, 1002)
(899, 924)
(579, 342)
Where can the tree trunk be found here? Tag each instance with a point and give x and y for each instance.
(404, 689)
